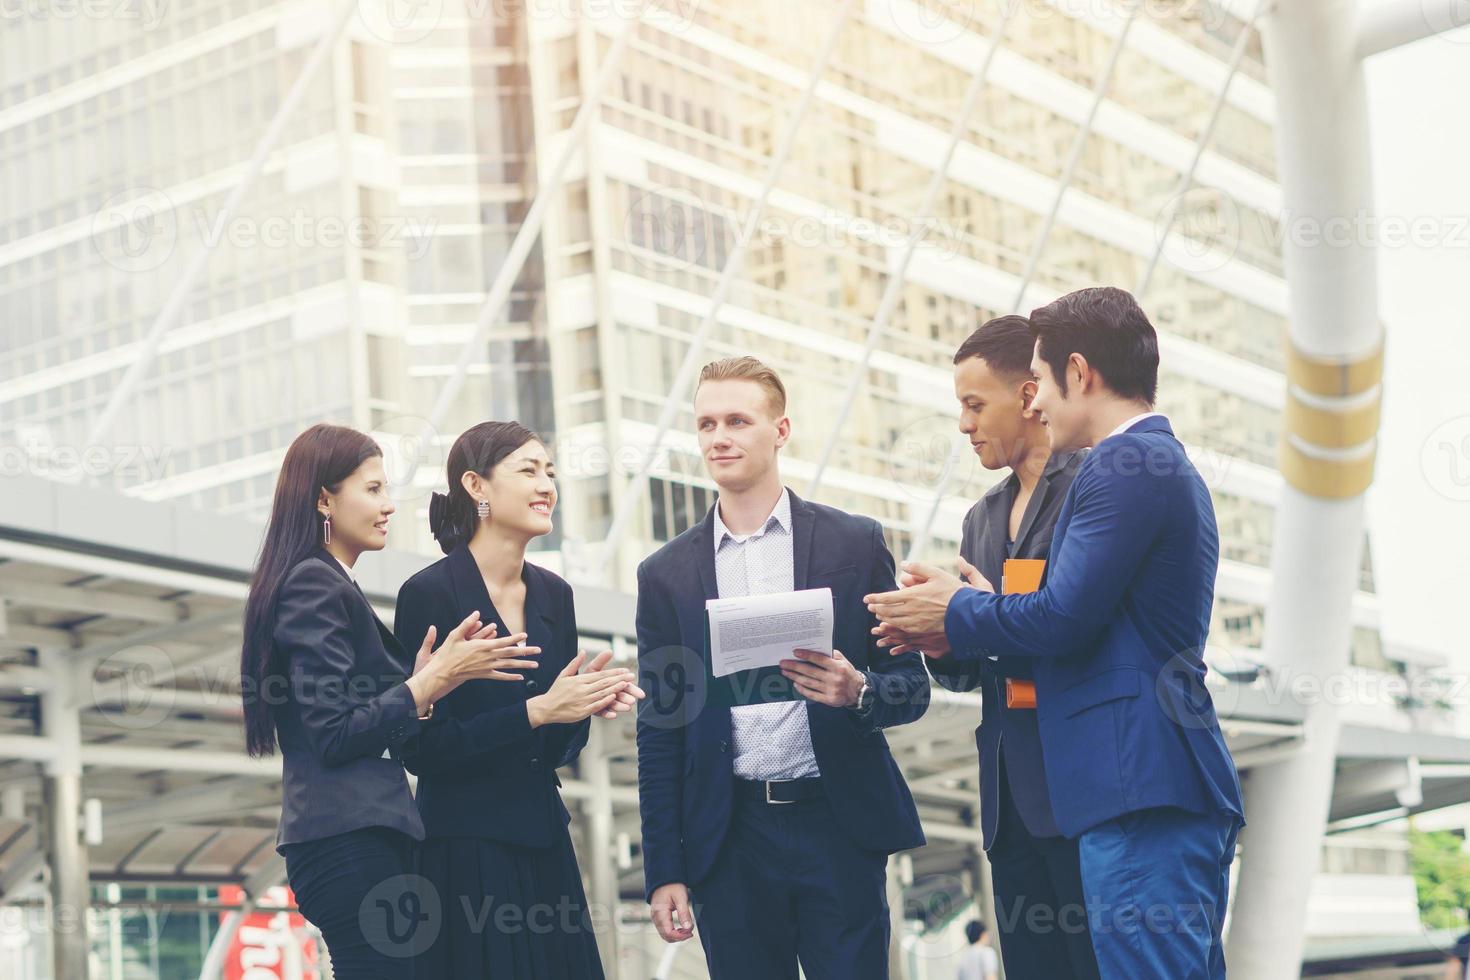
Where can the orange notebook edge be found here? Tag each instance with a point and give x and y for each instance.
(1019, 576)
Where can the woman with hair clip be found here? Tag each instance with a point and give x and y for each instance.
(324, 678)
(497, 848)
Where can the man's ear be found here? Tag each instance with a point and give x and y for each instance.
(1082, 372)
(783, 431)
(1028, 394)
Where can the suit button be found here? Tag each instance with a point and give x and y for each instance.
(724, 746)
(531, 684)
(535, 764)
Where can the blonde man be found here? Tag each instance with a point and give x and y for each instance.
(769, 799)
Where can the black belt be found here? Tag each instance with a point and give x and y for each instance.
(779, 790)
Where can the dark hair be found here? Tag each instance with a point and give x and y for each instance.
(974, 929)
(1004, 343)
(319, 459)
(480, 448)
(1105, 325)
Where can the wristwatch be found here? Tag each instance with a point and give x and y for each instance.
(865, 696)
(427, 714)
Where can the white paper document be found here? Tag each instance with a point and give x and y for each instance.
(762, 630)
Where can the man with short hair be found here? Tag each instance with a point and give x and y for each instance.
(1138, 768)
(978, 960)
(1040, 910)
(769, 799)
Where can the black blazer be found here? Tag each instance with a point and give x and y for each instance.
(483, 771)
(983, 544)
(345, 710)
(686, 778)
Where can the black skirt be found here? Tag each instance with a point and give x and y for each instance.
(508, 912)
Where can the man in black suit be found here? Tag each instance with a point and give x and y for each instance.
(1041, 913)
(769, 799)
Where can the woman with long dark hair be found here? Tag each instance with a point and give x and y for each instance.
(497, 849)
(324, 678)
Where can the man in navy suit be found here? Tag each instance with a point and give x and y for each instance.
(1040, 908)
(1139, 772)
(769, 798)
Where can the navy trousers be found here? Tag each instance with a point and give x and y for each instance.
(1041, 911)
(790, 886)
(1157, 882)
(359, 889)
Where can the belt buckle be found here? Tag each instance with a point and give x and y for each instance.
(772, 802)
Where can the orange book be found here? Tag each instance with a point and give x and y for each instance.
(1020, 575)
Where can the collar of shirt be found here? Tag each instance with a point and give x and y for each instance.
(346, 568)
(780, 515)
(1132, 422)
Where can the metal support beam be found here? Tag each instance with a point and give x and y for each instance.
(1387, 24)
(599, 810)
(550, 183)
(1334, 356)
(61, 793)
(1100, 89)
(1186, 180)
(1074, 156)
(897, 274)
(734, 263)
(173, 307)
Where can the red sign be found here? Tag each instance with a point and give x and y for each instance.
(270, 945)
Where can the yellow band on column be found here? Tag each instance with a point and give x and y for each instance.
(1334, 479)
(1333, 378)
(1331, 428)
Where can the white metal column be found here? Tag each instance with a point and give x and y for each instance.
(61, 795)
(1329, 430)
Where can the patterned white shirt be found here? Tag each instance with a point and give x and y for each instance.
(774, 740)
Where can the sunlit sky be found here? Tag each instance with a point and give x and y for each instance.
(1419, 508)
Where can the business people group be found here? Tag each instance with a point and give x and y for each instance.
(769, 799)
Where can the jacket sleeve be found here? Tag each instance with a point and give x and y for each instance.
(663, 670)
(900, 684)
(314, 637)
(447, 744)
(1116, 517)
(565, 742)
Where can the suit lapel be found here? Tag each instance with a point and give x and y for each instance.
(803, 521)
(998, 524)
(390, 642)
(704, 552)
(1033, 508)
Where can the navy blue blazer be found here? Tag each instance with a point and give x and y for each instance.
(1009, 732)
(686, 777)
(345, 711)
(1117, 635)
(483, 770)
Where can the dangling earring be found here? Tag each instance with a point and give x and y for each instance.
(482, 509)
(327, 529)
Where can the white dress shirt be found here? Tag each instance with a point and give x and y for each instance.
(1132, 422)
(346, 568)
(773, 740)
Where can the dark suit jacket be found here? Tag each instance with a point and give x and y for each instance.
(346, 703)
(1117, 635)
(483, 771)
(1013, 732)
(685, 773)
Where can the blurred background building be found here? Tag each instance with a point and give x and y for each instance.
(1102, 146)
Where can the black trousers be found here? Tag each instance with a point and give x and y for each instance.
(359, 889)
(1041, 911)
(789, 885)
